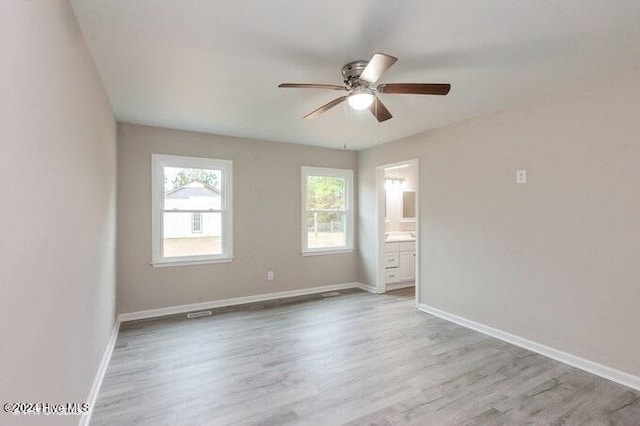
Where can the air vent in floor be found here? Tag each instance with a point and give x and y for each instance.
(331, 294)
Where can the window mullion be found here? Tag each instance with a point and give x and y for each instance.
(192, 211)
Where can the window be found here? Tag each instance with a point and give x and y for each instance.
(196, 223)
(327, 210)
(192, 210)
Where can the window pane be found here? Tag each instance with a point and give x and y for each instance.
(192, 189)
(181, 239)
(196, 223)
(325, 193)
(326, 229)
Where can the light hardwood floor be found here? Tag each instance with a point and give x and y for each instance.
(357, 359)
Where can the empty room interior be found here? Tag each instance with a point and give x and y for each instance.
(320, 213)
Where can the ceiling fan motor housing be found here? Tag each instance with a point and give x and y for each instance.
(351, 72)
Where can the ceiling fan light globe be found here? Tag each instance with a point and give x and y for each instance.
(360, 101)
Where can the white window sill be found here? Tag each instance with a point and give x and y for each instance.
(328, 251)
(187, 262)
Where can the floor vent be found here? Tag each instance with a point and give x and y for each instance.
(331, 294)
(198, 314)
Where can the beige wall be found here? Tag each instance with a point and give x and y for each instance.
(554, 260)
(57, 198)
(266, 197)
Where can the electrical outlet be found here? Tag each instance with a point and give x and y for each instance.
(521, 176)
(270, 275)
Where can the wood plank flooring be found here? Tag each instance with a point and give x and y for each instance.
(355, 359)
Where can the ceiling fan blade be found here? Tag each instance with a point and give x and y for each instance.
(380, 111)
(415, 88)
(312, 86)
(376, 67)
(326, 107)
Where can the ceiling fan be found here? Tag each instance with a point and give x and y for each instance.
(359, 79)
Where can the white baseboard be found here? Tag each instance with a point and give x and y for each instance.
(398, 286)
(180, 309)
(369, 288)
(609, 373)
(102, 369)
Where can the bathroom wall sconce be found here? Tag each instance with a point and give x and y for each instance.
(394, 179)
(391, 181)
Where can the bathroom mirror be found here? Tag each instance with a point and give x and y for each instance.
(408, 206)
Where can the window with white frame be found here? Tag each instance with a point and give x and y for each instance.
(327, 210)
(192, 210)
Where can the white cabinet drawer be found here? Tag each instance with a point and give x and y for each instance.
(391, 275)
(391, 260)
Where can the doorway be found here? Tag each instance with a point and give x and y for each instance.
(398, 227)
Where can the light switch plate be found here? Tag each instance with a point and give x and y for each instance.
(521, 176)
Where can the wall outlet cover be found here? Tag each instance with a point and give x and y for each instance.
(521, 176)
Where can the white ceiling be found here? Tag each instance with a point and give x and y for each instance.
(214, 66)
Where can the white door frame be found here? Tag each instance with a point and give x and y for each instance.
(380, 188)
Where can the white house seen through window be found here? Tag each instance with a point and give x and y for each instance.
(192, 209)
(327, 212)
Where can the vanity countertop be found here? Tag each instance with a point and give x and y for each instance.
(400, 240)
(400, 237)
